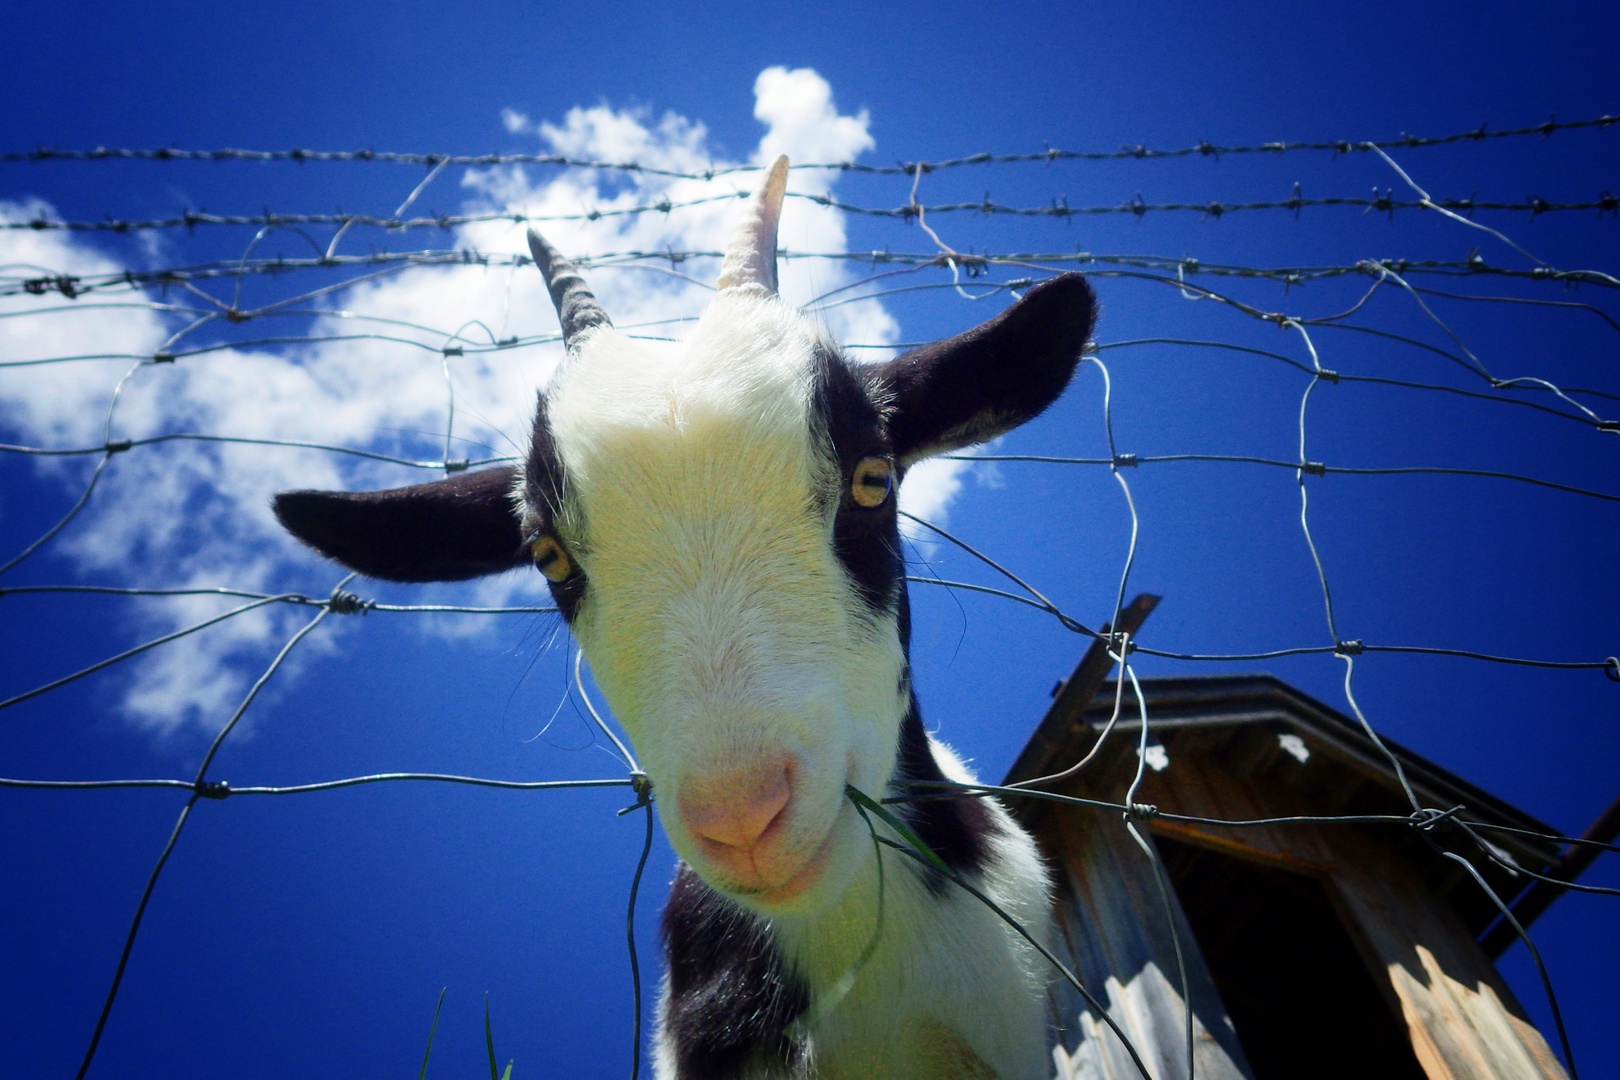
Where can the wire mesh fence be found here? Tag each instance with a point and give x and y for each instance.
(297, 334)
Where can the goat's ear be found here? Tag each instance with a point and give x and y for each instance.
(970, 388)
(460, 527)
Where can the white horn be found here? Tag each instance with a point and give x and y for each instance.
(750, 260)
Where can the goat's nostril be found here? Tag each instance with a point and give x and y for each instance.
(739, 809)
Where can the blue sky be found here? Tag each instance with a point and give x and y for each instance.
(312, 932)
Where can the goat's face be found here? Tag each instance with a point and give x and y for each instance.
(736, 594)
(718, 526)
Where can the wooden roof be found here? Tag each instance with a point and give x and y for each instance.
(1334, 767)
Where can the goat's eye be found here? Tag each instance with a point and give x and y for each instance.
(872, 482)
(551, 559)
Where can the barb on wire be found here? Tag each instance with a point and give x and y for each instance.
(1429, 204)
(192, 219)
(1203, 148)
(1179, 269)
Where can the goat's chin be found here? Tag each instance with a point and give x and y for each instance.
(802, 893)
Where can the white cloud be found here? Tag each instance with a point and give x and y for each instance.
(798, 109)
(194, 514)
(931, 485)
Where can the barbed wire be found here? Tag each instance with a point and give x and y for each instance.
(1203, 148)
(73, 286)
(1604, 203)
(1161, 271)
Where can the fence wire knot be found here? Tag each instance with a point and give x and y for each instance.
(342, 602)
(1429, 817)
(1611, 668)
(642, 785)
(212, 789)
(1348, 648)
(1142, 811)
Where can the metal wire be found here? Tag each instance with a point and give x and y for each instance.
(1388, 281)
(1204, 148)
(1137, 207)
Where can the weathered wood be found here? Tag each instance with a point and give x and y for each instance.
(1234, 748)
(1116, 939)
(1463, 1020)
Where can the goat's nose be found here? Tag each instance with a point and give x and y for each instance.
(736, 808)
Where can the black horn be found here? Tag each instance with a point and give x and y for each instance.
(577, 308)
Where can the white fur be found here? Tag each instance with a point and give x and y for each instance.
(724, 632)
(719, 623)
(944, 964)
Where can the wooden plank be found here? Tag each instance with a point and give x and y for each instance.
(1119, 944)
(1464, 1022)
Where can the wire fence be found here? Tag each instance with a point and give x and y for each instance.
(179, 299)
(1204, 148)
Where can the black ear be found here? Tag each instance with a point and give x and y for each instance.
(460, 527)
(972, 387)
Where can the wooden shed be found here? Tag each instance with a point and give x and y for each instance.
(1320, 950)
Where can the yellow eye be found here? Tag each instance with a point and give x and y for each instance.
(872, 482)
(551, 559)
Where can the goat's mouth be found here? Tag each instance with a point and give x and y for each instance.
(797, 884)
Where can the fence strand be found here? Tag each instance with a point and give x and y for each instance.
(1203, 148)
(972, 276)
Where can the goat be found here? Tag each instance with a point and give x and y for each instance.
(718, 528)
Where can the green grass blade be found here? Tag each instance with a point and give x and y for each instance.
(489, 1040)
(803, 1027)
(861, 799)
(429, 1051)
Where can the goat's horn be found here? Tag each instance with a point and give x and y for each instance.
(751, 256)
(577, 308)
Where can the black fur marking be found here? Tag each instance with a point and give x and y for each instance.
(958, 830)
(460, 527)
(865, 539)
(730, 1001)
(972, 387)
(543, 492)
